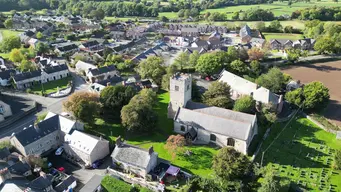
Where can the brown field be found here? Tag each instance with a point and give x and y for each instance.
(330, 75)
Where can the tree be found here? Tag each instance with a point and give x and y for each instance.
(218, 94)
(16, 56)
(97, 14)
(255, 68)
(39, 35)
(232, 54)
(164, 19)
(8, 23)
(275, 26)
(152, 68)
(113, 98)
(324, 45)
(208, 64)
(273, 80)
(229, 164)
(260, 25)
(288, 29)
(245, 104)
(269, 183)
(181, 13)
(193, 58)
(255, 54)
(269, 113)
(239, 67)
(84, 105)
(26, 65)
(36, 161)
(295, 97)
(42, 48)
(337, 160)
(316, 96)
(138, 115)
(181, 60)
(9, 43)
(293, 54)
(175, 144)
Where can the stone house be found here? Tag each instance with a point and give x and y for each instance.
(304, 44)
(133, 159)
(245, 34)
(240, 86)
(52, 73)
(45, 136)
(84, 147)
(102, 73)
(280, 44)
(205, 124)
(5, 110)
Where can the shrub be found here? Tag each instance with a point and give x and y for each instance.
(29, 90)
(113, 184)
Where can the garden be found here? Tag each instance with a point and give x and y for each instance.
(200, 160)
(303, 153)
(52, 86)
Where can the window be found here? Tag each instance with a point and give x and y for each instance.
(57, 137)
(187, 87)
(183, 128)
(230, 142)
(176, 88)
(213, 137)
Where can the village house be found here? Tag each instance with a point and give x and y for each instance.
(66, 48)
(97, 87)
(90, 45)
(52, 73)
(257, 42)
(5, 110)
(133, 159)
(85, 148)
(205, 124)
(5, 77)
(304, 44)
(245, 34)
(102, 73)
(45, 136)
(84, 67)
(240, 86)
(280, 44)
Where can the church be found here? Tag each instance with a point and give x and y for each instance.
(206, 124)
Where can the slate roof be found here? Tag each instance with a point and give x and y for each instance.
(101, 70)
(27, 75)
(64, 185)
(245, 31)
(19, 168)
(90, 43)
(217, 120)
(56, 68)
(64, 123)
(201, 43)
(32, 134)
(4, 153)
(6, 74)
(113, 81)
(41, 182)
(132, 155)
(92, 184)
(67, 47)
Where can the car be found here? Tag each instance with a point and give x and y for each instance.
(59, 151)
(97, 163)
(61, 169)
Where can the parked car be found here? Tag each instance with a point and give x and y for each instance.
(97, 163)
(59, 151)
(61, 169)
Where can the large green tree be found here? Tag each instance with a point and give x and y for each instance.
(9, 43)
(153, 68)
(193, 58)
(8, 23)
(138, 115)
(113, 98)
(218, 94)
(273, 80)
(316, 96)
(245, 104)
(270, 182)
(208, 64)
(229, 164)
(182, 60)
(26, 65)
(239, 67)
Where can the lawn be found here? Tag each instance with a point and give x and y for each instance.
(289, 36)
(51, 86)
(199, 162)
(7, 33)
(303, 153)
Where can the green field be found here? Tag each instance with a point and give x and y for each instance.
(199, 162)
(303, 153)
(278, 8)
(289, 36)
(7, 33)
(52, 86)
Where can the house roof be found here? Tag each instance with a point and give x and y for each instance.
(56, 68)
(64, 185)
(132, 155)
(90, 43)
(113, 81)
(82, 141)
(19, 168)
(32, 134)
(6, 74)
(101, 70)
(92, 184)
(190, 30)
(245, 31)
(201, 43)
(67, 47)
(4, 153)
(27, 75)
(41, 182)
(64, 123)
(246, 87)
(216, 119)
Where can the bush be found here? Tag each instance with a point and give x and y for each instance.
(29, 90)
(5, 144)
(113, 184)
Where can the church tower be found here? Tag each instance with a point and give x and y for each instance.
(180, 92)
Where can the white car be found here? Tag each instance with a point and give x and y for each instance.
(59, 151)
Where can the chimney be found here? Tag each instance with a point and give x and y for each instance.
(151, 150)
(118, 141)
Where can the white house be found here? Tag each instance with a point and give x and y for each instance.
(5, 110)
(205, 124)
(240, 86)
(82, 66)
(84, 147)
(133, 159)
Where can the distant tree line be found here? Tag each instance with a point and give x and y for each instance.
(320, 13)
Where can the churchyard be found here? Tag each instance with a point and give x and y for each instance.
(303, 153)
